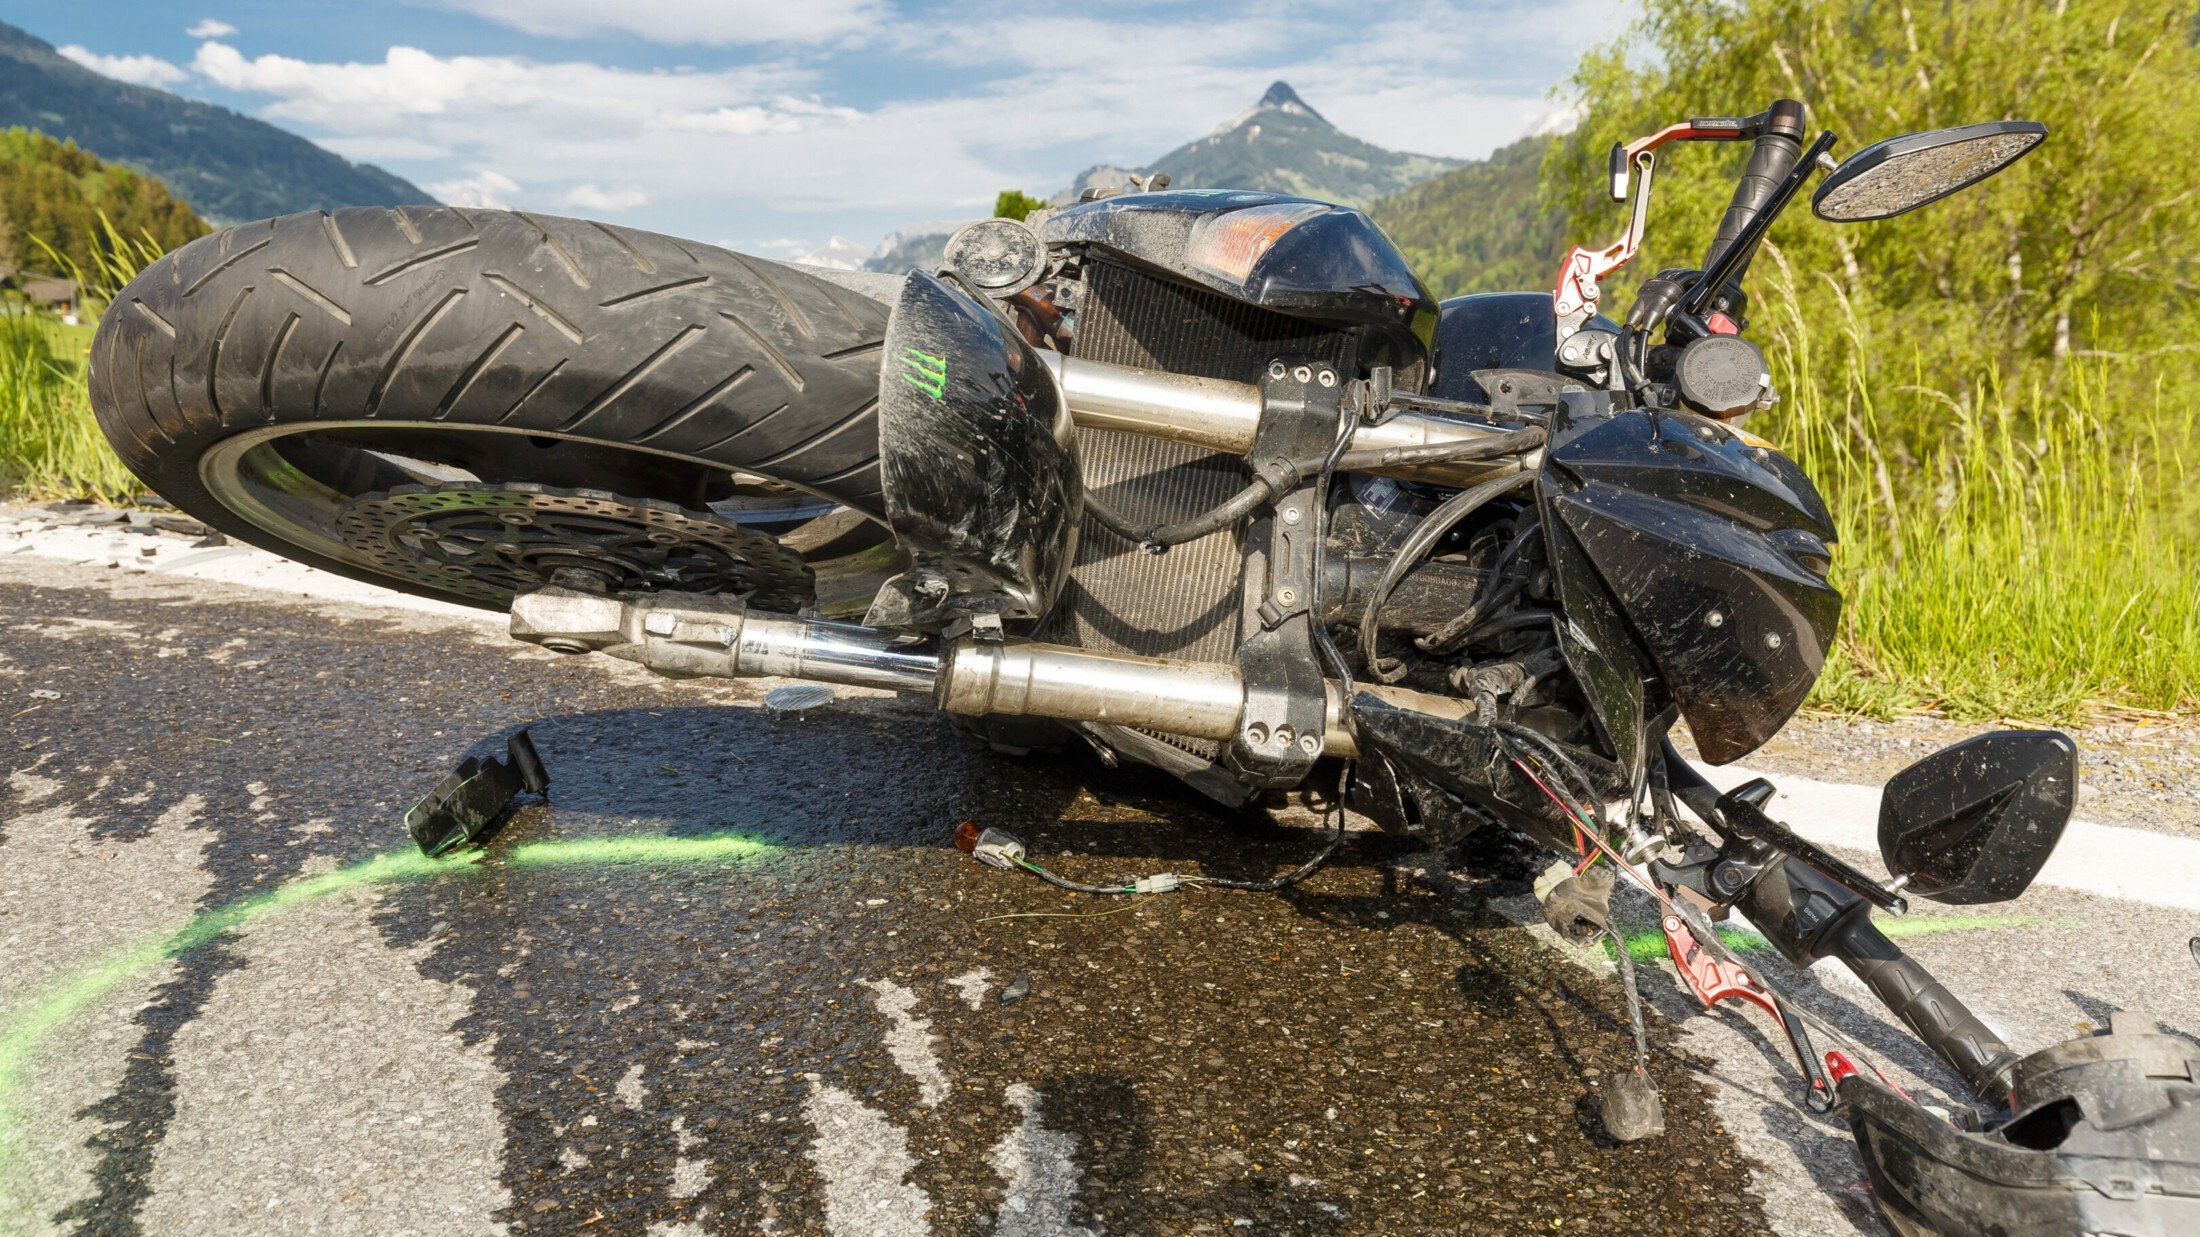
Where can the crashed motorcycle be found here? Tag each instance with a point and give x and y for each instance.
(1210, 482)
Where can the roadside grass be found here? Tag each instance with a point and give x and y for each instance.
(50, 446)
(2042, 563)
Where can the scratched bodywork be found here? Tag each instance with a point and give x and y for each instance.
(1715, 547)
(977, 460)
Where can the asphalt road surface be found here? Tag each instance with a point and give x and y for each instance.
(734, 977)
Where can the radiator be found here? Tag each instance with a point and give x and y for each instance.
(1183, 604)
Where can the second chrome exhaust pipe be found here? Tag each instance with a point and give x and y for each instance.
(687, 635)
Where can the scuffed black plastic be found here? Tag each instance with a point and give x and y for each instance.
(1975, 822)
(467, 804)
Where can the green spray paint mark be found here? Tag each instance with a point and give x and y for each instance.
(706, 849)
(1649, 946)
(925, 372)
(25, 1026)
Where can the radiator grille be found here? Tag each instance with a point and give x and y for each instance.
(1183, 604)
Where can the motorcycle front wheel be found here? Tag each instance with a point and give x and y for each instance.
(466, 403)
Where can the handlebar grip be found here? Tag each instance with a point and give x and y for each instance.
(1976, 1054)
(1771, 158)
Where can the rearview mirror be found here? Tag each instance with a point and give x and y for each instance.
(1975, 822)
(1887, 178)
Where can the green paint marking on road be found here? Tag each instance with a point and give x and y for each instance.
(26, 1024)
(1649, 946)
(710, 848)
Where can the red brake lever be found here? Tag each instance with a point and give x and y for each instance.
(1713, 979)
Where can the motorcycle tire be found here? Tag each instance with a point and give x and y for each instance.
(264, 377)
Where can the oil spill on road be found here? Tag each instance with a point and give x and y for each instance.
(666, 962)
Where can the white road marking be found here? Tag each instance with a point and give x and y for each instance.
(630, 1090)
(865, 1161)
(909, 1039)
(326, 1072)
(689, 1177)
(971, 986)
(73, 900)
(2133, 864)
(1040, 1166)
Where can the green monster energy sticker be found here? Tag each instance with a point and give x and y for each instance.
(925, 372)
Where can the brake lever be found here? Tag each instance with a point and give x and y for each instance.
(1713, 979)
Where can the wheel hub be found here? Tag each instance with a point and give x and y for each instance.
(490, 542)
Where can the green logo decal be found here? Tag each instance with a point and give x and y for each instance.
(925, 372)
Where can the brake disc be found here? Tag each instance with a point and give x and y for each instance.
(489, 542)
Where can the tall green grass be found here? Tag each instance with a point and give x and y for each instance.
(50, 447)
(2039, 562)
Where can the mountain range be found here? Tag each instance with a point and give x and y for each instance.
(229, 167)
(1279, 145)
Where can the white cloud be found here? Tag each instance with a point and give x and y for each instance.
(487, 189)
(711, 22)
(211, 28)
(772, 147)
(611, 201)
(137, 70)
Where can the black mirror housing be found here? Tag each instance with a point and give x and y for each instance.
(1900, 174)
(1975, 822)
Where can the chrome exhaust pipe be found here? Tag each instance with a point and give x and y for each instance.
(688, 636)
(1223, 416)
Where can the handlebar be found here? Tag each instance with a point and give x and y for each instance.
(1771, 158)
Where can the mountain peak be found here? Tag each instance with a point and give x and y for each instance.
(1281, 97)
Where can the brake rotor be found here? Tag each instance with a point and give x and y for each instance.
(488, 543)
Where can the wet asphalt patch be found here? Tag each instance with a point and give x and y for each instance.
(781, 1015)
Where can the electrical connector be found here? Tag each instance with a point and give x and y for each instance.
(999, 848)
(1159, 882)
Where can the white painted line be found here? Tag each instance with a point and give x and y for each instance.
(1040, 1166)
(909, 1039)
(865, 1161)
(971, 986)
(2134, 864)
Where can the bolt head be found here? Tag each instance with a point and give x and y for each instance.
(1288, 596)
(1327, 377)
(1714, 619)
(1772, 640)
(1290, 515)
(1304, 373)
(1275, 369)
(1284, 735)
(1309, 744)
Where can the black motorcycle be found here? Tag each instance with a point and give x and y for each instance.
(1210, 481)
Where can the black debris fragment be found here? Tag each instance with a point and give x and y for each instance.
(1017, 989)
(465, 806)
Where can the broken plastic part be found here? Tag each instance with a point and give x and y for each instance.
(999, 848)
(467, 804)
(1631, 1108)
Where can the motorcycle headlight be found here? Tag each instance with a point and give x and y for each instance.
(1233, 243)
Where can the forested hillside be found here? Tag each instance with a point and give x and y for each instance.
(1481, 228)
(52, 192)
(230, 168)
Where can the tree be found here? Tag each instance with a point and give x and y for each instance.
(2087, 245)
(1016, 204)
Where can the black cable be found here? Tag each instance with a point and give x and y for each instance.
(1293, 877)
(1420, 541)
(1275, 480)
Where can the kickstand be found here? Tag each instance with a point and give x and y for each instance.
(1713, 979)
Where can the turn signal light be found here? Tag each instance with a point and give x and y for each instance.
(1232, 244)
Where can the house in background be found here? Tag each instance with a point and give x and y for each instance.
(59, 295)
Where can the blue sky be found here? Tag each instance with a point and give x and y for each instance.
(773, 126)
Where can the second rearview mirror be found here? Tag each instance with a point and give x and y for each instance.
(1900, 174)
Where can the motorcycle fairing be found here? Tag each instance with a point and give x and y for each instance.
(976, 459)
(1715, 548)
(1335, 266)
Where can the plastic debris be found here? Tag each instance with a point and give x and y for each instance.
(1017, 989)
(1631, 1108)
(466, 805)
(795, 697)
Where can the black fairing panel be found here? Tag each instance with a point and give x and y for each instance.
(1335, 267)
(1715, 548)
(976, 457)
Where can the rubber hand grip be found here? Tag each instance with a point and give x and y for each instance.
(1771, 158)
(1947, 1026)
